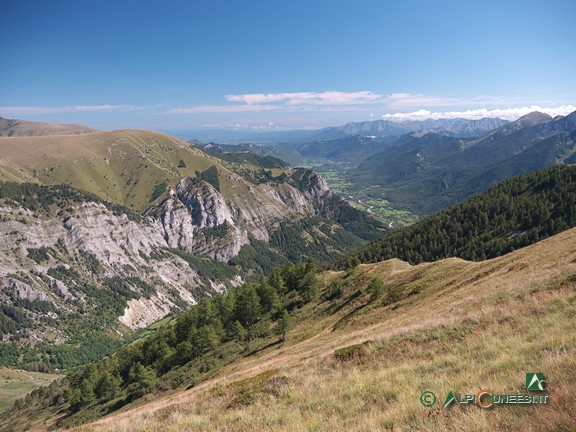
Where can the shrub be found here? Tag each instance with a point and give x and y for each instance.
(351, 353)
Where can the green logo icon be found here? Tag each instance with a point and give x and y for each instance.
(535, 381)
(449, 399)
(427, 398)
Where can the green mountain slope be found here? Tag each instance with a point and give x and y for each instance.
(121, 166)
(428, 172)
(514, 214)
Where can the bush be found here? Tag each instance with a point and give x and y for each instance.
(351, 353)
(39, 255)
(394, 295)
(335, 290)
(376, 288)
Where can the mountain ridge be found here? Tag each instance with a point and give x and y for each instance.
(459, 127)
(15, 127)
(426, 178)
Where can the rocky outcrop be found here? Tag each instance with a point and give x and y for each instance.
(141, 312)
(24, 291)
(65, 258)
(207, 207)
(199, 219)
(89, 245)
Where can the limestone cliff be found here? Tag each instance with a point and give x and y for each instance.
(53, 259)
(67, 260)
(199, 219)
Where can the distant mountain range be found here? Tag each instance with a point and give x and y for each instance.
(385, 128)
(426, 172)
(376, 128)
(352, 142)
(438, 163)
(353, 148)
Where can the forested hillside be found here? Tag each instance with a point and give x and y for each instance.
(299, 346)
(107, 233)
(215, 332)
(518, 212)
(428, 172)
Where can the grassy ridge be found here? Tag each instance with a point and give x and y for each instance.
(12, 127)
(358, 358)
(456, 326)
(121, 166)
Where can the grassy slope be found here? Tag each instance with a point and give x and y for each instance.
(458, 326)
(122, 166)
(14, 384)
(11, 127)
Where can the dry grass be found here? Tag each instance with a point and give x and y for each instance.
(121, 166)
(28, 128)
(460, 327)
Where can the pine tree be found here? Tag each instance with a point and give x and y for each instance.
(283, 325)
(238, 332)
(142, 381)
(108, 386)
(205, 340)
(376, 289)
(277, 281)
(269, 299)
(247, 307)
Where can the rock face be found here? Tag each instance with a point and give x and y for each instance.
(93, 245)
(459, 127)
(198, 219)
(24, 291)
(206, 205)
(67, 261)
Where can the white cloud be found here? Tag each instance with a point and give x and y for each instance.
(223, 109)
(38, 110)
(410, 100)
(90, 108)
(476, 114)
(308, 98)
(299, 101)
(400, 100)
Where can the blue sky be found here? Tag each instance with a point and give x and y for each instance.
(282, 64)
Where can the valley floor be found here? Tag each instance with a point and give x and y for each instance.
(459, 326)
(15, 384)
